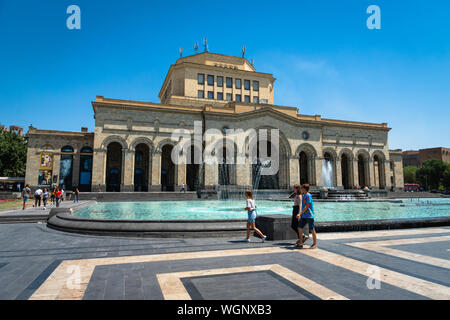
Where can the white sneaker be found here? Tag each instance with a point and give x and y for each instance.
(247, 240)
(44, 208)
(263, 238)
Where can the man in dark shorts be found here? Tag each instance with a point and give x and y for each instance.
(306, 216)
(26, 194)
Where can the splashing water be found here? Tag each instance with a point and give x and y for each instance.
(327, 174)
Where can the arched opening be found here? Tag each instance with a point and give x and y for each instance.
(378, 167)
(227, 167)
(113, 167)
(345, 171)
(85, 169)
(362, 169)
(66, 167)
(264, 181)
(141, 167)
(304, 168)
(193, 169)
(167, 169)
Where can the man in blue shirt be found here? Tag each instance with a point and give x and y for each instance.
(306, 216)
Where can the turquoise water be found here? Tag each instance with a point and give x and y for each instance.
(324, 211)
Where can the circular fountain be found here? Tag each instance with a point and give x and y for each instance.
(227, 218)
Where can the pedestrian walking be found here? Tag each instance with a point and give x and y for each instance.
(26, 194)
(251, 210)
(306, 216)
(37, 197)
(53, 196)
(75, 195)
(58, 197)
(296, 211)
(45, 197)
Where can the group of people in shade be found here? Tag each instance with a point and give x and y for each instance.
(56, 195)
(302, 216)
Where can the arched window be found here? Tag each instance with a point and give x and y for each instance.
(85, 169)
(65, 164)
(86, 150)
(67, 149)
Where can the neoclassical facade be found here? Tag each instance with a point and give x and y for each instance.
(131, 147)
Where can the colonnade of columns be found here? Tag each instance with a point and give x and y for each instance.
(349, 171)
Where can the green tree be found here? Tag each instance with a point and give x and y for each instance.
(431, 173)
(446, 177)
(13, 154)
(409, 174)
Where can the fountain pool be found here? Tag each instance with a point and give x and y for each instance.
(233, 210)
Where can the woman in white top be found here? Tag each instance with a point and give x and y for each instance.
(296, 211)
(251, 209)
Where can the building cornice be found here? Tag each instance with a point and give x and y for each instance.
(229, 110)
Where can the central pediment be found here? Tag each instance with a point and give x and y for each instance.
(219, 60)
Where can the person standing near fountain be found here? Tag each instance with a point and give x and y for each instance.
(306, 217)
(296, 211)
(251, 209)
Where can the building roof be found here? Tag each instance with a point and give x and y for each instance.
(214, 61)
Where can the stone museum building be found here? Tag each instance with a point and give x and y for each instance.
(130, 148)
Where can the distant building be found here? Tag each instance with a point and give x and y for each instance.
(418, 157)
(411, 158)
(16, 129)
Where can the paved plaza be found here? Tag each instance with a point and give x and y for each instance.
(40, 263)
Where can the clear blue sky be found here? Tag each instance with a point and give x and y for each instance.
(325, 59)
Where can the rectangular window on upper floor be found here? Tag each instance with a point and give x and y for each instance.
(229, 82)
(255, 85)
(255, 99)
(219, 95)
(229, 97)
(238, 98)
(247, 84)
(238, 83)
(210, 94)
(219, 81)
(210, 80)
(201, 94)
(200, 78)
(247, 98)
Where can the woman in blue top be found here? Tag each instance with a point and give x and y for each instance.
(251, 209)
(306, 217)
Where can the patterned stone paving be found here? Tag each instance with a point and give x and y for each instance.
(40, 263)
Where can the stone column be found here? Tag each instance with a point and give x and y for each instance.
(387, 174)
(211, 175)
(156, 171)
(338, 175)
(56, 166)
(98, 170)
(127, 170)
(181, 176)
(356, 173)
(294, 170)
(150, 169)
(316, 164)
(371, 174)
(33, 162)
(376, 177)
